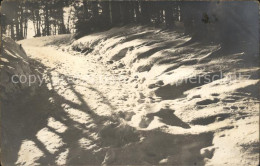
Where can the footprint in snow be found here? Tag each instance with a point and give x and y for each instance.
(208, 101)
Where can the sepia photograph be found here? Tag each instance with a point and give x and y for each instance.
(129, 83)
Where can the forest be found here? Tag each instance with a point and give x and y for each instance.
(198, 19)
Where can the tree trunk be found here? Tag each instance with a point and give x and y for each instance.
(21, 23)
(175, 11)
(62, 25)
(186, 17)
(38, 26)
(85, 6)
(131, 11)
(145, 12)
(157, 10)
(115, 12)
(68, 23)
(17, 32)
(94, 8)
(47, 25)
(25, 28)
(169, 21)
(12, 30)
(34, 24)
(105, 14)
(124, 12)
(137, 11)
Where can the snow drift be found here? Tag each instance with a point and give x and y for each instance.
(14, 62)
(183, 86)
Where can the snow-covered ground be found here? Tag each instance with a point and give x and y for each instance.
(137, 96)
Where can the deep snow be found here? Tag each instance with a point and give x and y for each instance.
(13, 61)
(121, 97)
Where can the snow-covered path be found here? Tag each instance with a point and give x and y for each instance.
(80, 86)
(91, 105)
(92, 110)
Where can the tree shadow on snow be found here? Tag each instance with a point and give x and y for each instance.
(24, 121)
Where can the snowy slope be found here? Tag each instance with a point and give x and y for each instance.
(144, 96)
(14, 61)
(223, 100)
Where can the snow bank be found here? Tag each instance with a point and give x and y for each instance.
(56, 40)
(184, 87)
(155, 56)
(14, 62)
